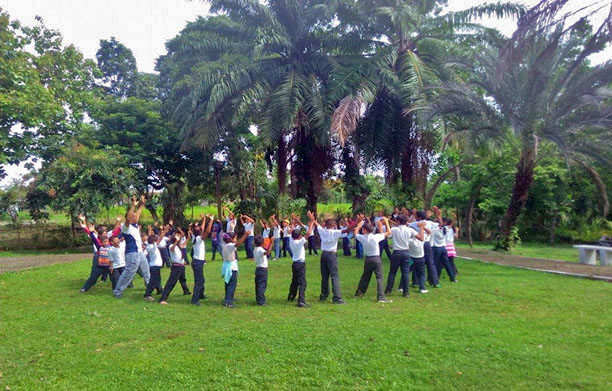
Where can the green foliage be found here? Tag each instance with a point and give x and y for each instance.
(118, 66)
(83, 180)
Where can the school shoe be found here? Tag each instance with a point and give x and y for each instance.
(228, 305)
(454, 281)
(424, 291)
(117, 296)
(159, 291)
(406, 294)
(358, 294)
(163, 302)
(322, 298)
(339, 301)
(387, 291)
(149, 298)
(262, 304)
(186, 293)
(197, 303)
(400, 290)
(437, 286)
(385, 300)
(290, 298)
(302, 305)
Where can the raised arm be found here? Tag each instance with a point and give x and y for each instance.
(358, 227)
(421, 234)
(438, 215)
(386, 221)
(208, 227)
(245, 235)
(141, 205)
(274, 221)
(130, 217)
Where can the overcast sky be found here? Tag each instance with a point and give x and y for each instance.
(145, 25)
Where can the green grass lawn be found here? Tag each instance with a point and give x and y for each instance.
(76, 250)
(559, 251)
(499, 328)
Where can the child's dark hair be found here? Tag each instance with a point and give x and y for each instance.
(421, 215)
(402, 219)
(103, 238)
(258, 240)
(228, 237)
(330, 223)
(296, 233)
(100, 229)
(368, 227)
(152, 239)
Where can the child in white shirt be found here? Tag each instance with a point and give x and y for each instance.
(261, 269)
(298, 267)
(373, 263)
(229, 269)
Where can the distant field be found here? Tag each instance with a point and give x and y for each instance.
(560, 251)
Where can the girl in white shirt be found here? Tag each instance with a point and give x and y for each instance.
(438, 245)
(229, 268)
(261, 270)
(177, 244)
(276, 235)
(298, 267)
(452, 233)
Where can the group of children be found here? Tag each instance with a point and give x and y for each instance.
(421, 242)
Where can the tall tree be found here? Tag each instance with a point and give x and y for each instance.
(118, 66)
(541, 82)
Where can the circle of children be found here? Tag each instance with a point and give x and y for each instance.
(420, 241)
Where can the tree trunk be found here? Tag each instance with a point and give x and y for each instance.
(218, 188)
(173, 203)
(153, 211)
(470, 214)
(602, 192)
(429, 195)
(352, 178)
(520, 191)
(281, 162)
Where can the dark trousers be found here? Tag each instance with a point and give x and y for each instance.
(154, 281)
(286, 247)
(94, 263)
(96, 272)
(261, 284)
(115, 274)
(176, 271)
(298, 281)
(346, 247)
(198, 280)
(441, 261)
(418, 267)
(371, 265)
(165, 254)
(432, 273)
(453, 265)
(399, 260)
(248, 246)
(230, 288)
(311, 245)
(216, 248)
(358, 249)
(329, 268)
(383, 245)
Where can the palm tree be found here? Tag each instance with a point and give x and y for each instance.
(541, 83)
(293, 48)
(414, 37)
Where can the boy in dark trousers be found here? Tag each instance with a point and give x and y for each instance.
(261, 269)
(298, 266)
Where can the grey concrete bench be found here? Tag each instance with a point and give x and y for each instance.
(588, 254)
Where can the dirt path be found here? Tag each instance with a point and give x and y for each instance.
(8, 264)
(546, 265)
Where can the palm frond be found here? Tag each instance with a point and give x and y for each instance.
(345, 118)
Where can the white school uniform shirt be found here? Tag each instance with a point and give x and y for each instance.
(287, 232)
(438, 237)
(133, 241)
(276, 232)
(231, 225)
(306, 228)
(329, 238)
(345, 234)
(430, 225)
(249, 227)
(384, 227)
(198, 248)
(163, 242)
(176, 255)
(415, 250)
(261, 259)
(450, 236)
(154, 255)
(297, 247)
(265, 233)
(402, 235)
(370, 244)
(228, 250)
(117, 255)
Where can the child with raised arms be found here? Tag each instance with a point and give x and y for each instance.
(229, 269)
(298, 267)
(276, 235)
(261, 269)
(178, 265)
(199, 233)
(372, 263)
(155, 262)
